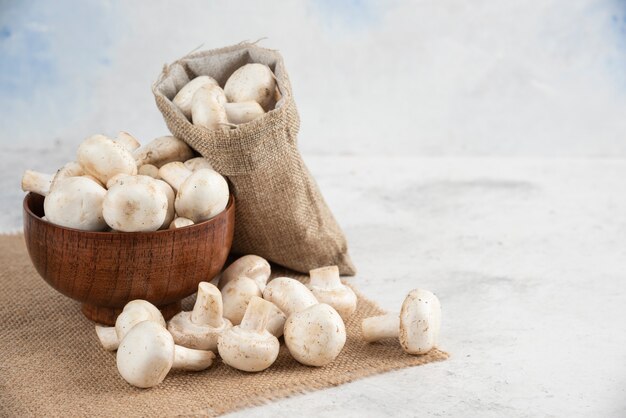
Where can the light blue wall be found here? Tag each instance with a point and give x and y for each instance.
(541, 78)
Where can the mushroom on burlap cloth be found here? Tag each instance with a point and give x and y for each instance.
(281, 214)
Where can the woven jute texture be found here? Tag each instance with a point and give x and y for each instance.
(52, 365)
(281, 214)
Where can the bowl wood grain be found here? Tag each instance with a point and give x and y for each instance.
(105, 270)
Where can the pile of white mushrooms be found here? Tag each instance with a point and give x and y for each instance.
(244, 321)
(248, 93)
(117, 185)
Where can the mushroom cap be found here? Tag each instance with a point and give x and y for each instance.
(342, 298)
(135, 203)
(169, 193)
(198, 163)
(236, 295)
(192, 335)
(174, 174)
(146, 306)
(289, 295)
(316, 335)
(103, 158)
(76, 202)
(246, 350)
(134, 312)
(203, 195)
(145, 355)
(127, 140)
(185, 94)
(180, 223)
(71, 169)
(207, 107)
(251, 266)
(243, 112)
(116, 179)
(148, 170)
(252, 82)
(163, 150)
(420, 321)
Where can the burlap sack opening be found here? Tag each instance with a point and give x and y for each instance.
(281, 214)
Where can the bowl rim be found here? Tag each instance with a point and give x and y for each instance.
(31, 214)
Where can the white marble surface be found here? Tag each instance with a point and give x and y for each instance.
(528, 257)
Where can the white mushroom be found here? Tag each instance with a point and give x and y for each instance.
(180, 223)
(252, 82)
(127, 141)
(41, 183)
(200, 194)
(174, 173)
(36, 182)
(71, 169)
(207, 107)
(250, 346)
(198, 163)
(251, 266)
(116, 179)
(243, 112)
(185, 95)
(107, 337)
(76, 202)
(163, 150)
(316, 335)
(201, 327)
(87, 176)
(147, 353)
(148, 170)
(134, 312)
(103, 158)
(276, 321)
(236, 295)
(135, 203)
(289, 295)
(203, 195)
(417, 326)
(171, 197)
(326, 285)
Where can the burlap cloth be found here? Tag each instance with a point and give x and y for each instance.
(51, 363)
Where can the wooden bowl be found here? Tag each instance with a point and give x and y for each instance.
(105, 270)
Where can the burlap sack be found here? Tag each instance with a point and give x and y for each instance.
(281, 214)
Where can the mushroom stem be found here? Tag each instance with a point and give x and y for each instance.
(108, 337)
(36, 182)
(191, 359)
(325, 277)
(257, 315)
(208, 309)
(376, 328)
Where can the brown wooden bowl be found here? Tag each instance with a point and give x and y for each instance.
(105, 270)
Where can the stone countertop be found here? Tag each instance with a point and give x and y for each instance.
(528, 258)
